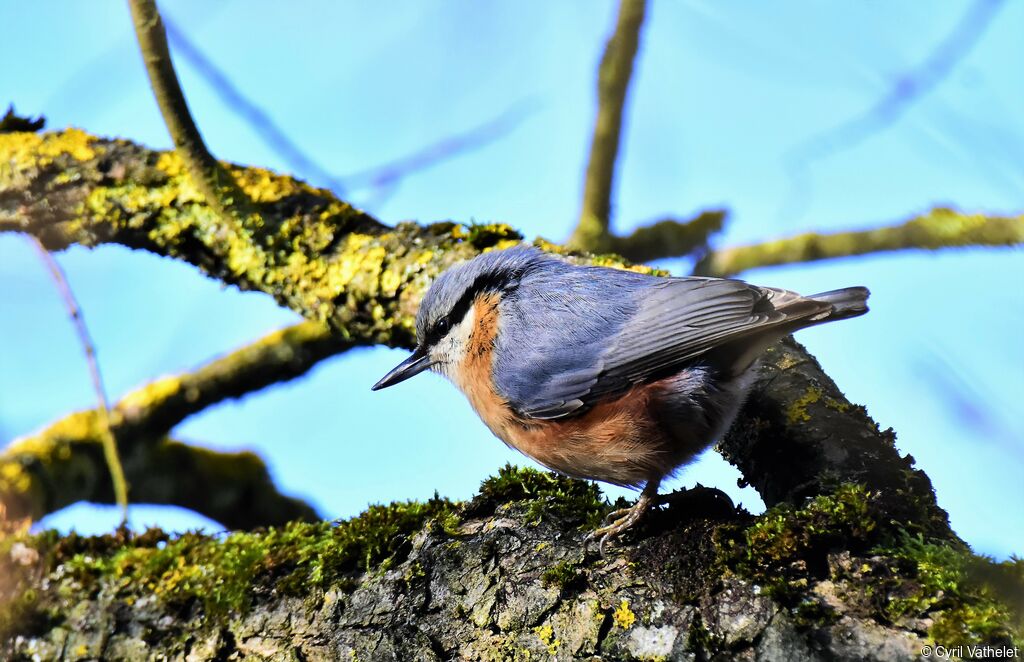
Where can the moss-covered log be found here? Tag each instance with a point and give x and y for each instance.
(331, 262)
(506, 576)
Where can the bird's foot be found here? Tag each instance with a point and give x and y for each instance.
(619, 521)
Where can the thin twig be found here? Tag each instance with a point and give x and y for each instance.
(103, 410)
(218, 187)
(613, 79)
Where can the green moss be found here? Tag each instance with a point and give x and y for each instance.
(785, 544)
(226, 574)
(563, 574)
(970, 599)
(545, 494)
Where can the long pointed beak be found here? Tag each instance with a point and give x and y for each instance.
(412, 366)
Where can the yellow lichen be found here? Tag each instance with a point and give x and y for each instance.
(546, 634)
(796, 412)
(623, 615)
(154, 392)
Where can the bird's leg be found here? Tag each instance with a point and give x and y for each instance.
(623, 519)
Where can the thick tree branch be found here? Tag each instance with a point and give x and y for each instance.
(937, 229)
(613, 78)
(56, 467)
(328, 261)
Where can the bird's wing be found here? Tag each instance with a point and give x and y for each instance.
(676, 321)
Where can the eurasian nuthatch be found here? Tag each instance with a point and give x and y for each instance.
(600, 373)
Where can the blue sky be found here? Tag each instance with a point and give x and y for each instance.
(724, 95)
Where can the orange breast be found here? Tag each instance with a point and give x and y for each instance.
(616, 441)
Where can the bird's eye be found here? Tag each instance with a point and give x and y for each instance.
(443, 326)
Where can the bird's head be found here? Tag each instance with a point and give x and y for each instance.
(446, 316)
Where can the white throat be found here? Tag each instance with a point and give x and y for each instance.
(449, 352)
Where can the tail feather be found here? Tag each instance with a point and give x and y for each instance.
(847, 302)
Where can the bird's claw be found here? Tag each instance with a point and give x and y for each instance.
(619, 521)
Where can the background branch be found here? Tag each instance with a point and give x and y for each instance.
(668, 237)
(59, 465)
(938, 229)
(613, 78)
(906, 88)
(216, 185)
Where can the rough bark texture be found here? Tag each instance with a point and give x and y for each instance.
(504, 577)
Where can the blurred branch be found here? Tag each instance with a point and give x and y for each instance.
(104, 428)
(55, 467)
(52, 470)
(214, 182)
(388, 174)
(668, 237)
(939, 228)
(234, 489)
(257, 118)
(906, 89)
(613, 78)
(381, 177)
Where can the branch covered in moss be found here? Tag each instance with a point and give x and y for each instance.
(507, 576)
(613, 78)
(331, 262)
(54, 468)
(937, 229)
(798, 436)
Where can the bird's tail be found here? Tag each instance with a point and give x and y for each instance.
(847, 302)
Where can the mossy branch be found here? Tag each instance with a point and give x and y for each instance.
(613, 79)
(937, 229)
(216, 184)
(56, 467)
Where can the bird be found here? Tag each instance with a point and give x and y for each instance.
(600, 373)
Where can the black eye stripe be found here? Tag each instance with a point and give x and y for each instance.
(444, 324)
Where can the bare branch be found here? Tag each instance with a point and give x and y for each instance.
(940, 228)
(217, 186)
(106, 433)
(58, 466)
(612, 85)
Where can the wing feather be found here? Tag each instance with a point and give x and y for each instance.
(674, 322)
